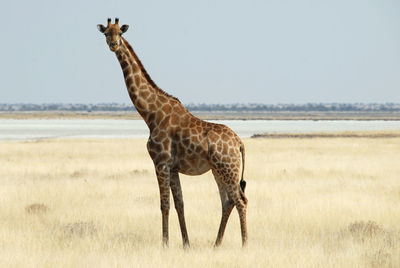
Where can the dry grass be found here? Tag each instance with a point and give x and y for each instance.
(94, 203)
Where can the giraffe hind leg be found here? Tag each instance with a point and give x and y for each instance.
(227, 206)
(240, 201)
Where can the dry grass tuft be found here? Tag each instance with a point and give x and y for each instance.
(79, 229)
(77, 174)
(375, 245)
(36, 208)
(362, 231)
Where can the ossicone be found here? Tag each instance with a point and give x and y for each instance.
(102, 28)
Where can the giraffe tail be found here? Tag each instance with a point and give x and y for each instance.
(242, 181)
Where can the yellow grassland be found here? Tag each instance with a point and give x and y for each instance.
(321, 202)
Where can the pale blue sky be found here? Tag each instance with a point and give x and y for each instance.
(204, 51)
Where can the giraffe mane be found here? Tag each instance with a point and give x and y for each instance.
(146, 75)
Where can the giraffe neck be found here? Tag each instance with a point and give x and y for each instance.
(144, 93)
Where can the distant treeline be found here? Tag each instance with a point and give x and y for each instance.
(251, 107)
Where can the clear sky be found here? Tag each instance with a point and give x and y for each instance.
(204, 51)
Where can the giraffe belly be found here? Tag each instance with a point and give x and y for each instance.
(193, 167)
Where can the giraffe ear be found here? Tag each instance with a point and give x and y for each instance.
(101, 28)
(124, 28)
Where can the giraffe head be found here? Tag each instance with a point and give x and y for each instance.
(113, 33)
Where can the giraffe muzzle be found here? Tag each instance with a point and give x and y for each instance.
(113, 45)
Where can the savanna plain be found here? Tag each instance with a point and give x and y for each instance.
(313, 202)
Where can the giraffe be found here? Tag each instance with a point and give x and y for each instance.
(179, 142)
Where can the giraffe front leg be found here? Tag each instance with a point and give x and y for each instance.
(178, 201)
(163, 184)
